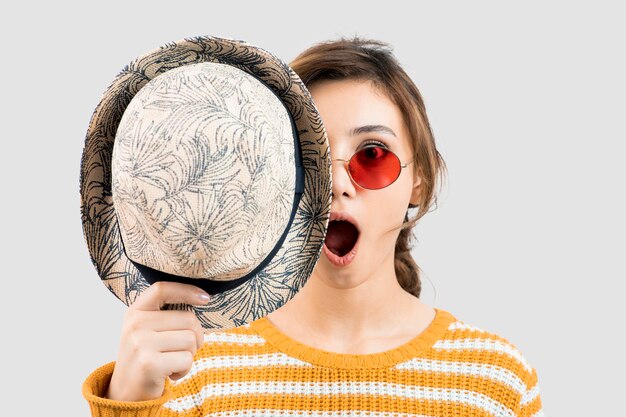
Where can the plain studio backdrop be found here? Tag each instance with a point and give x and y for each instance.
(527, 102)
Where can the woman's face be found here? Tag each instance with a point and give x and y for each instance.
(345, 105)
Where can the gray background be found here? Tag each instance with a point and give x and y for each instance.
(527, 103)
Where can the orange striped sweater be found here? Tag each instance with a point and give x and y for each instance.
(450, 369)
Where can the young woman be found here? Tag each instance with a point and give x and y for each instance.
(356, 339)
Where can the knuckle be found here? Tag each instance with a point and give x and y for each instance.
(132, 324)
(135, 345)
(188, 360)
(144, 294)
(145, 362)
(158, 289)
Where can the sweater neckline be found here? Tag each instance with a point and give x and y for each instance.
(433, 332)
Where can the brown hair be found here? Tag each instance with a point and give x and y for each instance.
(373, 60)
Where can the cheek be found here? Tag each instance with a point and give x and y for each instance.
(389, 209)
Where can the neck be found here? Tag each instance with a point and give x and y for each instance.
(347, 307)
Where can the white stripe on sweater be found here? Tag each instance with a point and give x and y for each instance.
(530, 395)
(483, 344)
(280, 359)
(496, 373)
(246, 361)
(459, 325)
(241, 339)
(269, 412)
(337, 389)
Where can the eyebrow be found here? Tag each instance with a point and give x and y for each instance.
(372, 128)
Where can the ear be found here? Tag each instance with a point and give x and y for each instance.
(417, 190)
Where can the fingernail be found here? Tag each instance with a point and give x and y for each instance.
(203, 297)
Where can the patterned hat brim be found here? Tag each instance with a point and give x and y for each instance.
(294, 261)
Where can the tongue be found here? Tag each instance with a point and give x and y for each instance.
(341, 237)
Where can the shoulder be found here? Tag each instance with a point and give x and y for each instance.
(500, 358)
(489, 365)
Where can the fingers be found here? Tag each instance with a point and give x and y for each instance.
(164, 292)
(155, 343)
(160, 321)
(176, 340)
(167, 319)
(178, 363)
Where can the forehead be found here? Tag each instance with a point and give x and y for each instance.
(346, 106)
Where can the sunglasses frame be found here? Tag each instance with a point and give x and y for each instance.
(375, 146)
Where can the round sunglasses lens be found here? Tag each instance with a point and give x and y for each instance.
(374, 167)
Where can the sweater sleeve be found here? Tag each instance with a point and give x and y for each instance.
(530, 403)
(95, 387)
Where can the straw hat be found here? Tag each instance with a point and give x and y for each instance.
(206, 162)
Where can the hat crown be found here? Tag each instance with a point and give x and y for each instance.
(203, 156)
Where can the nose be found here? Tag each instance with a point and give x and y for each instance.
(342, 182)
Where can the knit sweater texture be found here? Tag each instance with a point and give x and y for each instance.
(449, 369)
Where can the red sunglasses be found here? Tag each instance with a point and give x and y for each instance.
(374, 167)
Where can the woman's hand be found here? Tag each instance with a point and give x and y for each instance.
(156, 344)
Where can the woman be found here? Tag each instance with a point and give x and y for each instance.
(356, 338)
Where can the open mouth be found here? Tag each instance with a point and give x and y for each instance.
(341, 237)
